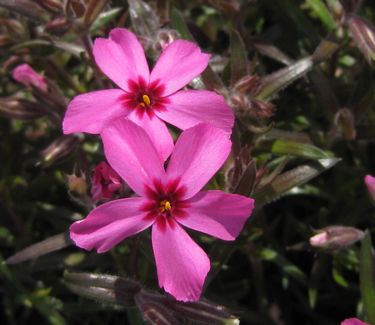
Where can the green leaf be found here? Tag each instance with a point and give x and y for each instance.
(238, 58)
(319, 9)
(367, 278)
(286, 266)
(71, 48)
(286, 147)
(292, 178)
(178, 23)
(280, 79)
(104, 18)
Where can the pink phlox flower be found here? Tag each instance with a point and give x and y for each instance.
(105, 182)
(148, 99)
(27, 76)
(353, 321)
(167, 200)
(370, 183)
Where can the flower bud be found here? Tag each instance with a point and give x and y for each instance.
(58, 26)
(20, 109)
(59, 149)
(344, 121)
(353, 321)
(205, 312)
(370, 183)
(363, 34)
(26, 75)
(155, 312)
(77, 184)
(336, 237)
(105, 182)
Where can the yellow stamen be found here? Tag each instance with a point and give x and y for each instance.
(164, 206)
(146, 100)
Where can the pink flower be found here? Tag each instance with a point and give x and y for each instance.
(148, 99)
(370, 183)
(105, 182)
(353, 321)
(27, 76)
(167, 200)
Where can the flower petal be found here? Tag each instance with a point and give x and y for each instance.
(157, 131)
(132, 155)
(198, 154)
(190, 107)
(181, 264)
(133, 51)
(109, 224)
(119, 63)
(89, 112)
(217, 213)
(178, 64)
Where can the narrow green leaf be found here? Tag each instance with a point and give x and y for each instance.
(280, 79)
(104, 18)
(367, 277)
(71, 48)
(178, 23)
(319, 9)
(286, 266)
(44, 247)
(238, 58)
(292, 178)
(286, 147)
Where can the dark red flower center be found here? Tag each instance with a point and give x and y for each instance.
(145, 97)
(165, 201)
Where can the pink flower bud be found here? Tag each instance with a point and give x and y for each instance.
(370, 183)
(353, 321)
(336, 237)
(25, 75)
(105, 182)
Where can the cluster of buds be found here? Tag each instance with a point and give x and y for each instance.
(244, 101)
(336, 237)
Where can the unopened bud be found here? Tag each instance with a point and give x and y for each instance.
(154, 312)
(4, 40)
(13, 26)
(353, 321)
(336, 237)
(344, 121)
(370, 183)
(59, 149)
(50, 5)
(27, 76)
(20, 109)
(363, 34)
(247, 85)
(205, 312)
(58, 26)
(77, 184)
(230, 7)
